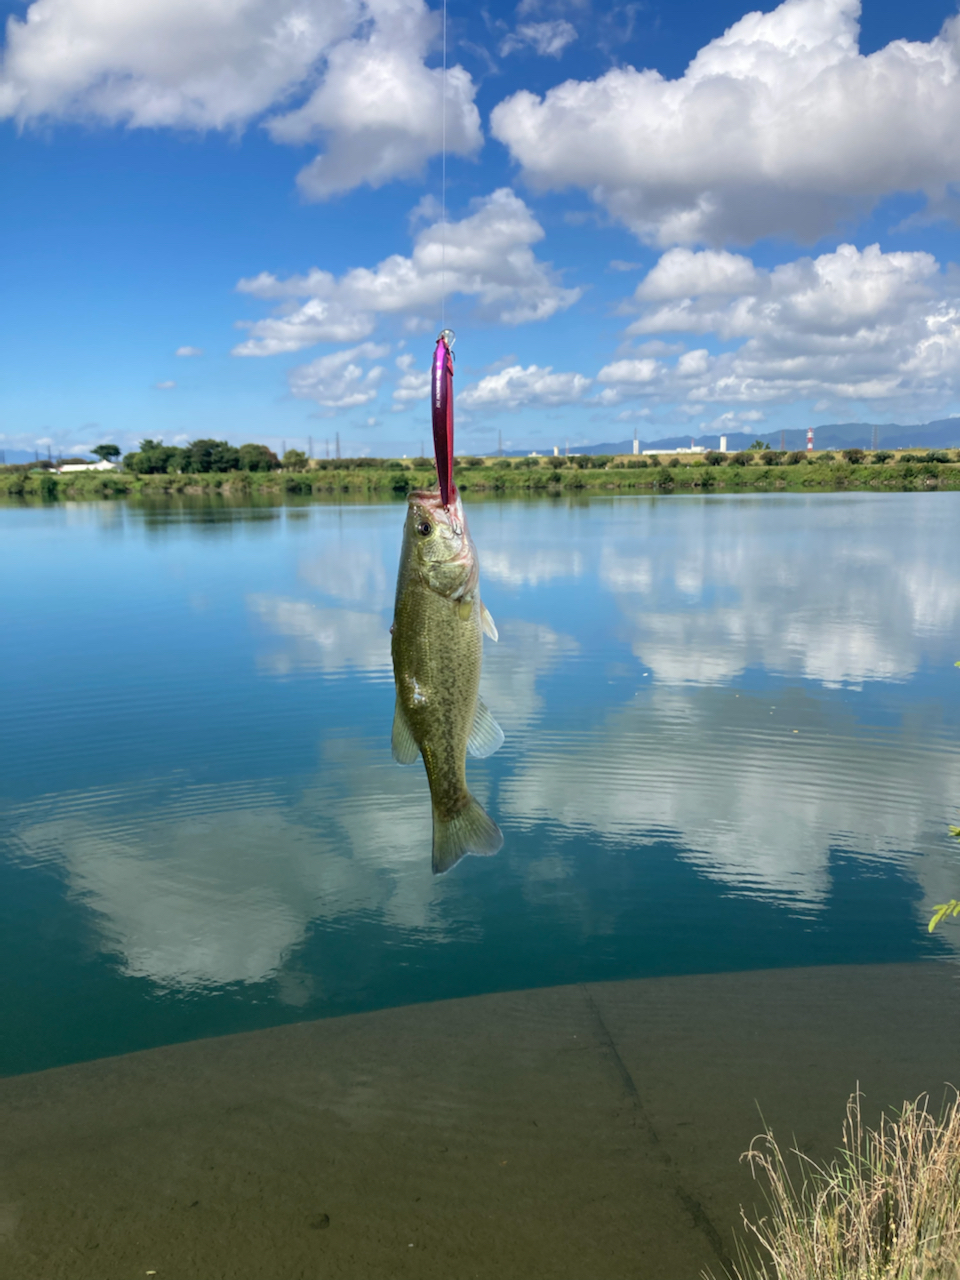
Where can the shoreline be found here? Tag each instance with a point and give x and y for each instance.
(541, 477)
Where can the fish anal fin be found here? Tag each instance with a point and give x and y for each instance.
(489, 626)
(486, 736)
(472, 830)
(402, 741)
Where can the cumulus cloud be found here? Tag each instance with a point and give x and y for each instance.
(487, 255)
(380, 108)
(410, 388)
(515, 386)
(219, 64)
(850, 325)
(339, 380)
(778, 127)
(189, 351)
(548, 39)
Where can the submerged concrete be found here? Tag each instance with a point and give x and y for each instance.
(584, 1131)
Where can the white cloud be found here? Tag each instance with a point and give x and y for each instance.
(410, 388)
(380, 108)
(339, 381)
(681, 272)
(204, 64)
(220, 64)
(851, 325)
(515, 386)
(780, 126)
(487, 255)
(629, 371)
(548, 39)
(165, 386)
(189, 351)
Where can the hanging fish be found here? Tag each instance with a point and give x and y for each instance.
(437, 645)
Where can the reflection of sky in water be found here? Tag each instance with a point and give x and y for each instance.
(732, 742)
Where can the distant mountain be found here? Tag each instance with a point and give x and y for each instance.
(942, 434)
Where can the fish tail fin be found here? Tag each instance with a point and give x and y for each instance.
(471, 830)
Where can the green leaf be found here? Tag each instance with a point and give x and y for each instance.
(942, 910)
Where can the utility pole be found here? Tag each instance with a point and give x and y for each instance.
(338, 444)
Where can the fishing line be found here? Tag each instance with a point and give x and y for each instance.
(443, 178)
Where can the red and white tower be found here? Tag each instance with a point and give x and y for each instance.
(809, 439)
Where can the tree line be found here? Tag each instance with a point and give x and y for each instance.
(202, 456)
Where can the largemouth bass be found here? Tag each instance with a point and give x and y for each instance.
(437, 646)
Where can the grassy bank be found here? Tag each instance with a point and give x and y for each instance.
(738, 473)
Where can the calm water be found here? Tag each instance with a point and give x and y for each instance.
(732, 743)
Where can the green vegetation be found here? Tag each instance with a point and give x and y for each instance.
(257, 457)
(214, 466)
(887, 1208)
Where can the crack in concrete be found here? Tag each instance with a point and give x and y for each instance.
(699, 1216)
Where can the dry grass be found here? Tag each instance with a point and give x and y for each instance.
(887, 1208)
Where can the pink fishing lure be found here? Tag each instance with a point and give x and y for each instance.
(441, 399)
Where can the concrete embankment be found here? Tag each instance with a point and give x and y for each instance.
(561, 1133)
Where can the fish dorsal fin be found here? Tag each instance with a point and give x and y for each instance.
(489, 626)
(402, 742)
(486, 736)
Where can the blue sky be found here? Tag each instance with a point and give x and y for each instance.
(221, 217)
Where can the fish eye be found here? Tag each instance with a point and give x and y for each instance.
(424, 527)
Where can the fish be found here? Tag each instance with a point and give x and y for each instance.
(437, 646)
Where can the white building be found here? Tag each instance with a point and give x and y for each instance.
(693, 448)
(88, 466)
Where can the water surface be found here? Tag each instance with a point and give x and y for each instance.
(732, 744)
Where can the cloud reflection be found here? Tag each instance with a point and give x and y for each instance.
(835, 591)
(756, 790)
(322, 639)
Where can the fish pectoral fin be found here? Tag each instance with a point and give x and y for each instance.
(402, 741)
(489, 626)
(486, 736)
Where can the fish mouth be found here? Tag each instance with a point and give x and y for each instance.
(432, 503)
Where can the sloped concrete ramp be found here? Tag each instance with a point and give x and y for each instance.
(576, 1133)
